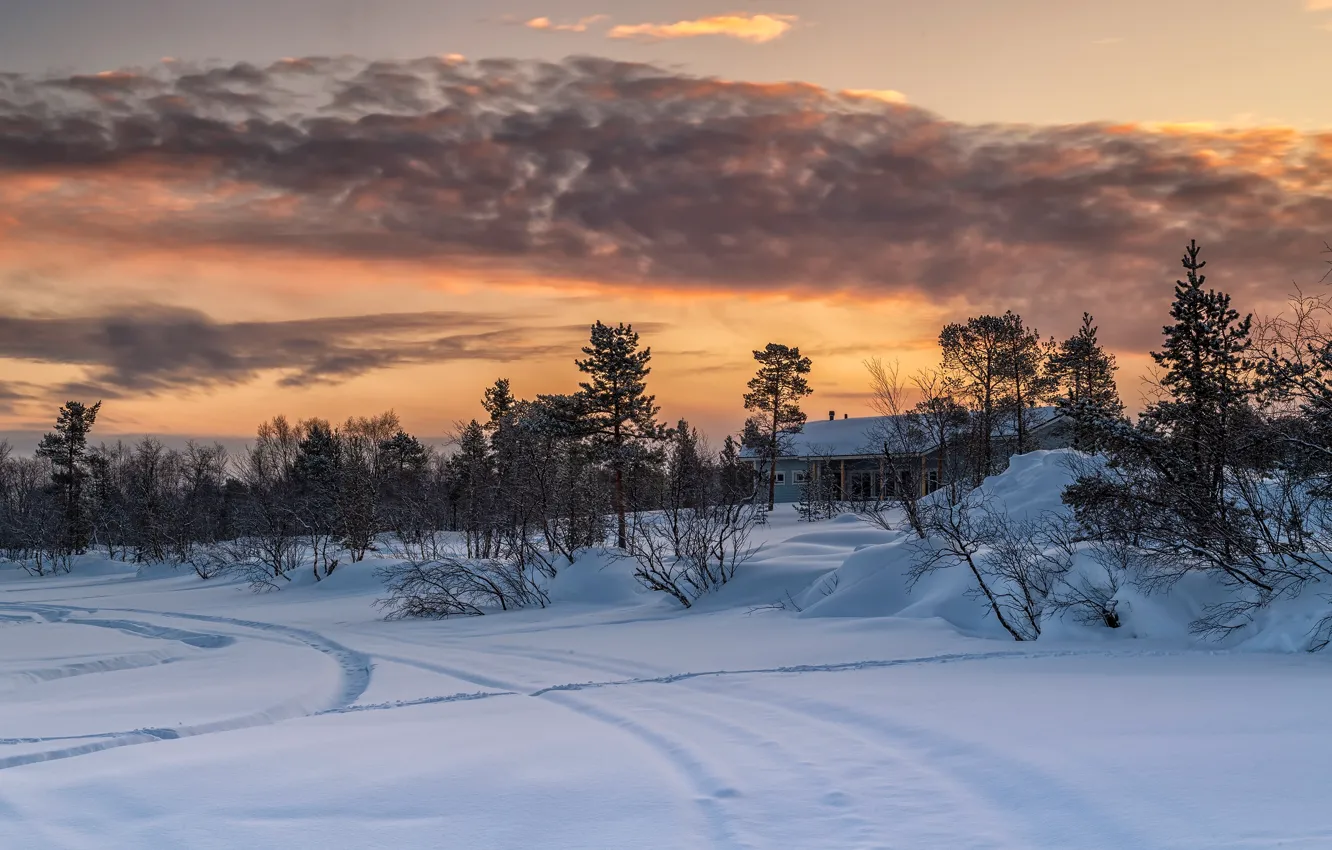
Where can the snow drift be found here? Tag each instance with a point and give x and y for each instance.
(875, 582)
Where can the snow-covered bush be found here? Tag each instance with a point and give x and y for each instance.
(452, 587)
(692, 553)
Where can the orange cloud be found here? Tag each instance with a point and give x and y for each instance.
(755, 29)
(545, 24)
(883, 95)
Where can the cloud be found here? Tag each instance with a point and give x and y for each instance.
(545, 24)
(149, 350)
(881, 95)
(756, 29)
(625, 175)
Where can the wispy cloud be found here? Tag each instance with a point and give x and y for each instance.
(545, 24)
(150, 349)
(753, 28)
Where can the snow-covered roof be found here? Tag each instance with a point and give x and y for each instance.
(863, 435)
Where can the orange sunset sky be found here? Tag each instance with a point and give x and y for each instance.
(212, 213)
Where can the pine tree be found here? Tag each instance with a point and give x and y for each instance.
(774, 394)
(619, 415)
(317, 476)
(1166, 488)
(67, 449)
(499, 402)
(1205, 375)
(1083, 374)
(473, 472)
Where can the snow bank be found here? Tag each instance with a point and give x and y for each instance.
(873, 582)
(597, 578)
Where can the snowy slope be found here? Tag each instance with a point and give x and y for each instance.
(160, 711)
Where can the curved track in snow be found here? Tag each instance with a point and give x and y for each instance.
(354, 675)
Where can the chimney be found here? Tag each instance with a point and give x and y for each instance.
(832, 414)
(846, 416)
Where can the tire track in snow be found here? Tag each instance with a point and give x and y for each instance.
(779, 758)
(112, 664)
(847, 666)
(807, 791)
(782, 756)
(931, 792)
(708, 790)
(503, 688)
(355, 674)
(1066, 816)
(408, 703)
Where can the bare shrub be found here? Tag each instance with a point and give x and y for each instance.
(1018, 566)
(693, 553)
(458, 587)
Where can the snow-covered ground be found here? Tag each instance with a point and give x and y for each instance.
(159, 711)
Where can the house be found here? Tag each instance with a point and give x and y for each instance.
(852, 452)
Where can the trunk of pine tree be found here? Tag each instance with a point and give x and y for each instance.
(1021, 423)
(772, 467)
(621, 537)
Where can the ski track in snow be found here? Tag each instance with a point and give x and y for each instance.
(355, 676)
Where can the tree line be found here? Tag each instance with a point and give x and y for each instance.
(520, 495)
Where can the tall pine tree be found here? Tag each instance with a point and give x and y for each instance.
(67, 449)
(619, 415)
(774, 395)
(1205, 376)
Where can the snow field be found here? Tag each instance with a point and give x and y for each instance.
(158, 711)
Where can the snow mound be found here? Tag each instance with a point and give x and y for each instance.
(596, 578)
(874, 581)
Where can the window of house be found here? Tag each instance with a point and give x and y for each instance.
(801, 476)
(781, 477)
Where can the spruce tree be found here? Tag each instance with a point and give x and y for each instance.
(774, 394)
(1205, 377)
(67, 449)
(1165, 491)
(1083, 374)
(619, 416)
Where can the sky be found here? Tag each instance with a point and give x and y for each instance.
(211, 213)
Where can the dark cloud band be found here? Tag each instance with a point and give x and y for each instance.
(627, 173)
(155, 349)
